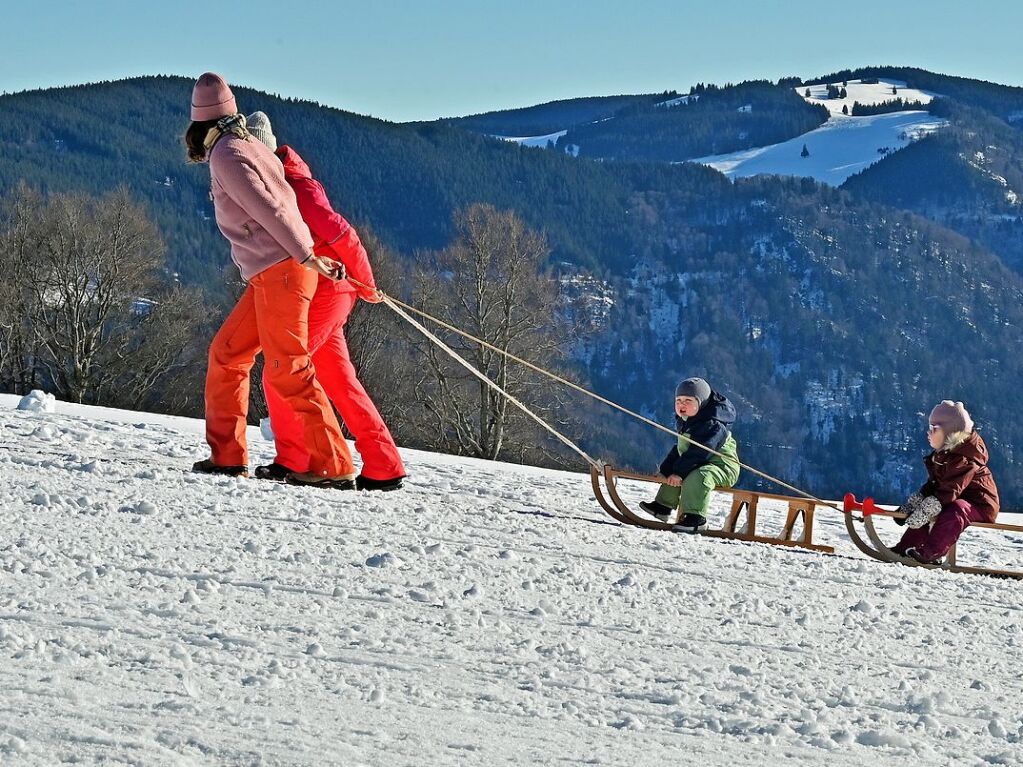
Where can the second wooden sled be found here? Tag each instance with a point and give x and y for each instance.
(878, 549)
(743, 502)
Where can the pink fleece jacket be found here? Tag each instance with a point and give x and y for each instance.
(255, 207)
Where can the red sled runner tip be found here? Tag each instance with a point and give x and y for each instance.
(867, 507)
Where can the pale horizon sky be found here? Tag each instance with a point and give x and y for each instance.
(402, 60)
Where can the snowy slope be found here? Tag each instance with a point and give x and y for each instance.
(864, 93)
(488, 614)
(680, 101)
(534, 141)
(842, 146)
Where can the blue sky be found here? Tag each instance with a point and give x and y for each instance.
(404, 60)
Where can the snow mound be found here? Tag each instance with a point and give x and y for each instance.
(266, 429)
(38, 401)
(488, 613)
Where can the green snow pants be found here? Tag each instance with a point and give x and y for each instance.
(694, 495)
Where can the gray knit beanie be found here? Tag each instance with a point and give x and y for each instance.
(696, 388)
(259, 126)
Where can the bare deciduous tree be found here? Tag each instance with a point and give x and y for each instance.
(491, 282)
(91, 315)
(19, 338)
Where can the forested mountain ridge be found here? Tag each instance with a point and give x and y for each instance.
(831, 320)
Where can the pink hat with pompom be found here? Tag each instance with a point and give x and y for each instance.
(212, 99)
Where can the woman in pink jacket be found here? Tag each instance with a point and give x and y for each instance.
(334, 239)
(257, 212)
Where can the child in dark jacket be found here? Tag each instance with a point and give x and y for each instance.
(959, 491)
(691, 473)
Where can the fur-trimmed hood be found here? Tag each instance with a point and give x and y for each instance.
(967, 444)
(954, 440)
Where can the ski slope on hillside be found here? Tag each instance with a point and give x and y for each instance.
(488, 614)
(842, 146)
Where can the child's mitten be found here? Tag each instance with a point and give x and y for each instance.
(926, 512)
(911, 505)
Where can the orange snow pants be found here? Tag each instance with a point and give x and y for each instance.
(331, 307)
(273, 316)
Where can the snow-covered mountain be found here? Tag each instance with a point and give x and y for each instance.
(487, 614)
(845, 144)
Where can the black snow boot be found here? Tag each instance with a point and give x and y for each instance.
(691, 523)
(277, 472)
(914, 553)
(206, 466)
(365, 483)
(656, 509)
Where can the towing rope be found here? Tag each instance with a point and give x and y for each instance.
(402, 309)
(483, 377)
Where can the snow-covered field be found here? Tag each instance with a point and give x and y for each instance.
(844, 145)
(864, 93)
(487, 614)
(840, 148)
(680, 101)
(534, 141)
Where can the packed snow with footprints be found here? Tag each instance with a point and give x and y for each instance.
(486, 614)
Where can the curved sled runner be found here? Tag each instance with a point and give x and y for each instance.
(743, 501)
(602, 499)
(878, 549)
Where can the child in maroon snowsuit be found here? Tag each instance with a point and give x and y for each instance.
(959, 491)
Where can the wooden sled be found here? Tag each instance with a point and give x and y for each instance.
(743, 502)
(879, 550)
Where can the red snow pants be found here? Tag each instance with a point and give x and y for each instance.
(330, 309)
(273, 316)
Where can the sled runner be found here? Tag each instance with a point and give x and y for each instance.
(877, 549)
(743, 502)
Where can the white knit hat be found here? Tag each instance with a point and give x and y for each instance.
(258, 125)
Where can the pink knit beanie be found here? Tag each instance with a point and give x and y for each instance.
(951, 417)
(212, 99)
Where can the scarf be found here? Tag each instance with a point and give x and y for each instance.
(233, 124)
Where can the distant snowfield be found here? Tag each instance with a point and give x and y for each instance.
(680, 101)
(864, 93)
(534, 141)
(844, 145)
(487, 614)
(840, 148)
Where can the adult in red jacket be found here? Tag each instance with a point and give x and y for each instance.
(333, 238)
